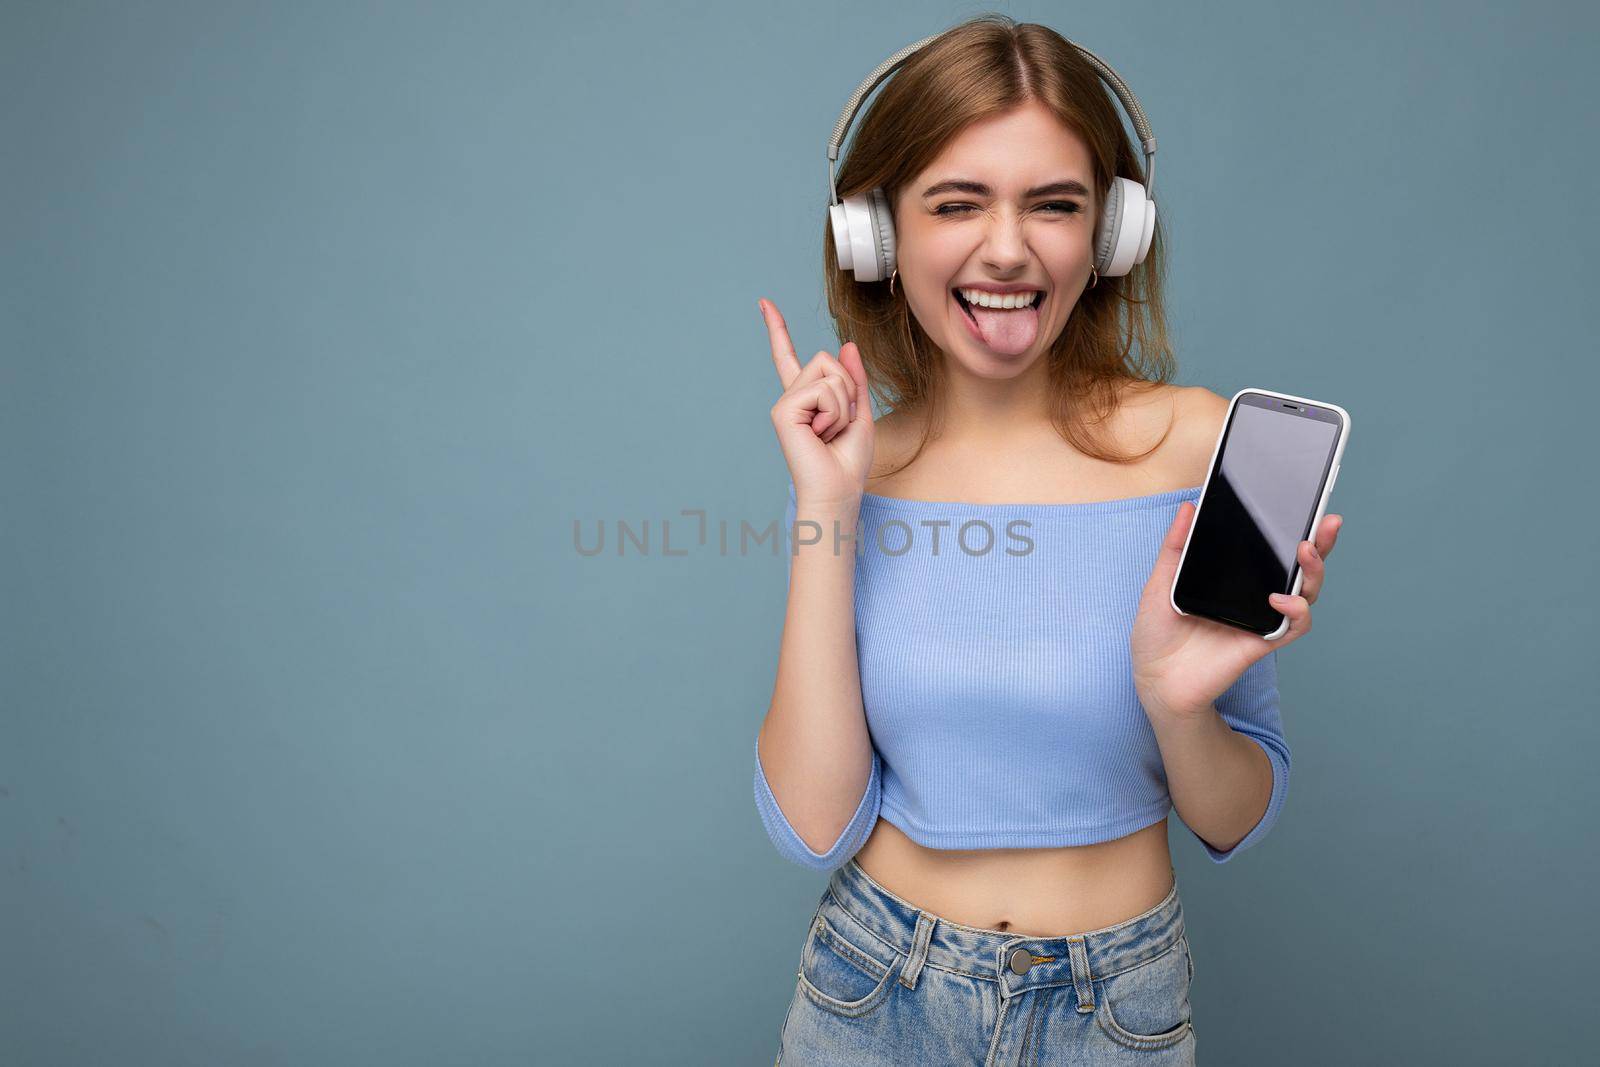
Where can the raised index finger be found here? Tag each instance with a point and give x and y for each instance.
(783, 354)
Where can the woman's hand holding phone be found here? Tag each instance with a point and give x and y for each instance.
(823, 420)
(1183, 663)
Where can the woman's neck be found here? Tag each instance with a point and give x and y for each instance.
(985, 413)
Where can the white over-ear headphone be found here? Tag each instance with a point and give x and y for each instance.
(863, 226)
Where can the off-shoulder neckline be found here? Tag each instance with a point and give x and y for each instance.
(1079, 507)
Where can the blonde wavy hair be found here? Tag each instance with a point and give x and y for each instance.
(1117, 332)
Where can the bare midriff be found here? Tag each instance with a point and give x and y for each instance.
(1037, 892)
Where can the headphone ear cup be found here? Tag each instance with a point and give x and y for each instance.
(839, 223)
(883, 225)
(863, 235)
(1127, 225)
(1105, 239)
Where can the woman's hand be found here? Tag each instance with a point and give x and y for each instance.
(823, 419)
(1183, 663)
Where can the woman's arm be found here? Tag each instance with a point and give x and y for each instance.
(1228, 766)
(817, 775)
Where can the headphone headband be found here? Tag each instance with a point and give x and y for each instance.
(1130, 104)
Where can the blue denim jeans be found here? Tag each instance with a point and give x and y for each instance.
(882, 981)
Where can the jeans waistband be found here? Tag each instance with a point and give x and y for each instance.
(1074, 959)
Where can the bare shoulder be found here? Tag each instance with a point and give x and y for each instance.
(1205, 409)
(1200, 415)
(1180, 422)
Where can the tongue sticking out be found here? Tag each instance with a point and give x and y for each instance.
(1009, 331)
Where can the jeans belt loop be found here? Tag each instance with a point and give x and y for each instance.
(919, 949)
(1078, 950)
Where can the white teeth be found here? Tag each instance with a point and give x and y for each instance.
(984, 299)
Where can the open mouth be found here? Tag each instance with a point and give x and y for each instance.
(967, 305)
(1007, 330)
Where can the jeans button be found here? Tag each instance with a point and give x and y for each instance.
(1021, 960)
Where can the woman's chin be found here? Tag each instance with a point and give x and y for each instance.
(982, 363)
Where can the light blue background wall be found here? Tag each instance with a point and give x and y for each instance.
(321, 744)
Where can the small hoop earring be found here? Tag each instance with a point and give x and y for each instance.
(892, 275)
(1094, 276)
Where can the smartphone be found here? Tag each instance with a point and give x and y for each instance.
(1272, 469)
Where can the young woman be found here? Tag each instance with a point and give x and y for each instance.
(985, 705)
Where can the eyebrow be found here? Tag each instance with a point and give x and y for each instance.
(965, 185)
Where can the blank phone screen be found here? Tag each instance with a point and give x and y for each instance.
(1258, 506)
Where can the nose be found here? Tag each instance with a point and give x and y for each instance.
(1004, 251)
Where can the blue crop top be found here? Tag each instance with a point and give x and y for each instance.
(997, 680)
